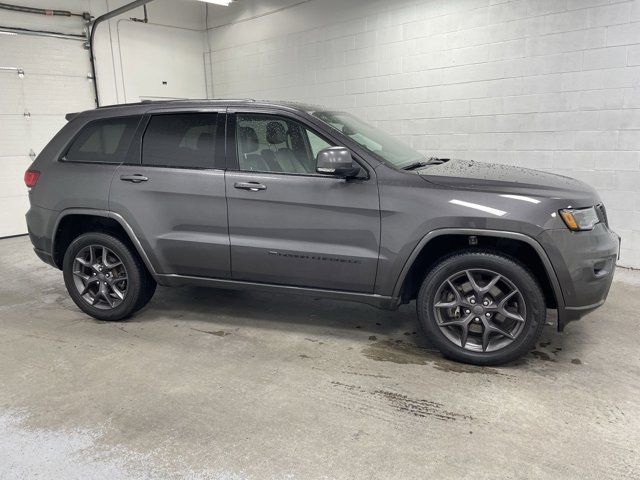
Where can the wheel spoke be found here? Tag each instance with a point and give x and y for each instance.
(463, 323)
(446, 304)
(118, 292)
(451, 323)
(96, 299)
(104, 293)
(492, 283)
(472, 281)
(109, 300)
(457, 300)
(502, 308)
(105, 259)
(506, 298)
(83, 262)
(82, 276)
(485, 338)
(455, 292)
(499, 331)
(87, 285)
(482, 290)
(464, 334)
(512, 316)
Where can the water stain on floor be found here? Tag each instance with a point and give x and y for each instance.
(218, 333)
(397, 351)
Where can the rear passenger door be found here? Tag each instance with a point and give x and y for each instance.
(171, 191)
(287, 223)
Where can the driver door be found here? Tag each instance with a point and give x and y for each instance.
(288, 224)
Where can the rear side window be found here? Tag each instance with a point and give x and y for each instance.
(185, 140)
(103, 141)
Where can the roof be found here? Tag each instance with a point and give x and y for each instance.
(146, 105)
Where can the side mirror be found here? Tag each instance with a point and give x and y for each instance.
(336, 161)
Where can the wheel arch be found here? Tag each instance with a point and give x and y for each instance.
(74, 222)
(443, 242)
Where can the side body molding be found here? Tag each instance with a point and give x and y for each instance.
(555, 284)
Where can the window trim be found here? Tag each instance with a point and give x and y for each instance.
(63, 156)
(233, 163)
(219, 149)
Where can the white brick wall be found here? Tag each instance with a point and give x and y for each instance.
(548, 84)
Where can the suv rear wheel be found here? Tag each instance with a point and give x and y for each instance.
(481, 307)
(106, 278)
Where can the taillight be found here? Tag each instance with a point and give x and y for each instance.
(31, 178)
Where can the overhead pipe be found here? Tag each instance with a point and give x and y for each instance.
(94, 25)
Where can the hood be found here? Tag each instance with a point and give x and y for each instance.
(505, 179)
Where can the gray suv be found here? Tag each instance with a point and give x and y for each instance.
(294, 198)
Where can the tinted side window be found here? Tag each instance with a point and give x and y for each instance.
(103, 141)
(269, 143)
(185, 140)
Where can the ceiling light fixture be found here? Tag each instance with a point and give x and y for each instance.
(224, 3)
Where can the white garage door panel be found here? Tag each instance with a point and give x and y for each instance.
(14, 135)
(12, 221)
(54, 83)
(11, 93)
(45, 55)
(43, 128)
(12, 175)
(57, 95)
(19, 134)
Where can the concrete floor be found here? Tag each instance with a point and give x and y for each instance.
(229, 385)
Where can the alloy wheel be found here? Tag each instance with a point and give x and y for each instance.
(100, 277)
(479, 310)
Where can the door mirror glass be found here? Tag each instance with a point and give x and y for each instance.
(336, 161)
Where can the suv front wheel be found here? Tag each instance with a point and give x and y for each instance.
(481, 307)
(106, 278)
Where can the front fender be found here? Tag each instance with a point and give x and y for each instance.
(544, 258)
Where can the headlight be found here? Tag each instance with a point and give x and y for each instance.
(580, 218)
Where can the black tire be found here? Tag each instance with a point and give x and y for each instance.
(509, 269)
(147, 293)
(140, 284)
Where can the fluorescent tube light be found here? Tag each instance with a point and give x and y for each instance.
(224, 3)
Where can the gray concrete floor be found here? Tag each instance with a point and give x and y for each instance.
(230, 385)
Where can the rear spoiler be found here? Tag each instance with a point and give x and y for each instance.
(71, 116)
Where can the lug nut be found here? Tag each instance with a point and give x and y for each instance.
(476, 319)
(467, 311)
(487, 314)
(485, 303)
(472, 301)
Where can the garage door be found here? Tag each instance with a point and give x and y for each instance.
(41, 79)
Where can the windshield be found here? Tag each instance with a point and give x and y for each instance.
(382, 144)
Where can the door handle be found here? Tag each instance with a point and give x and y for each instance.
(137, 178)
(251, 186)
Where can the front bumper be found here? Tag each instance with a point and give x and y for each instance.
(584, 263)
